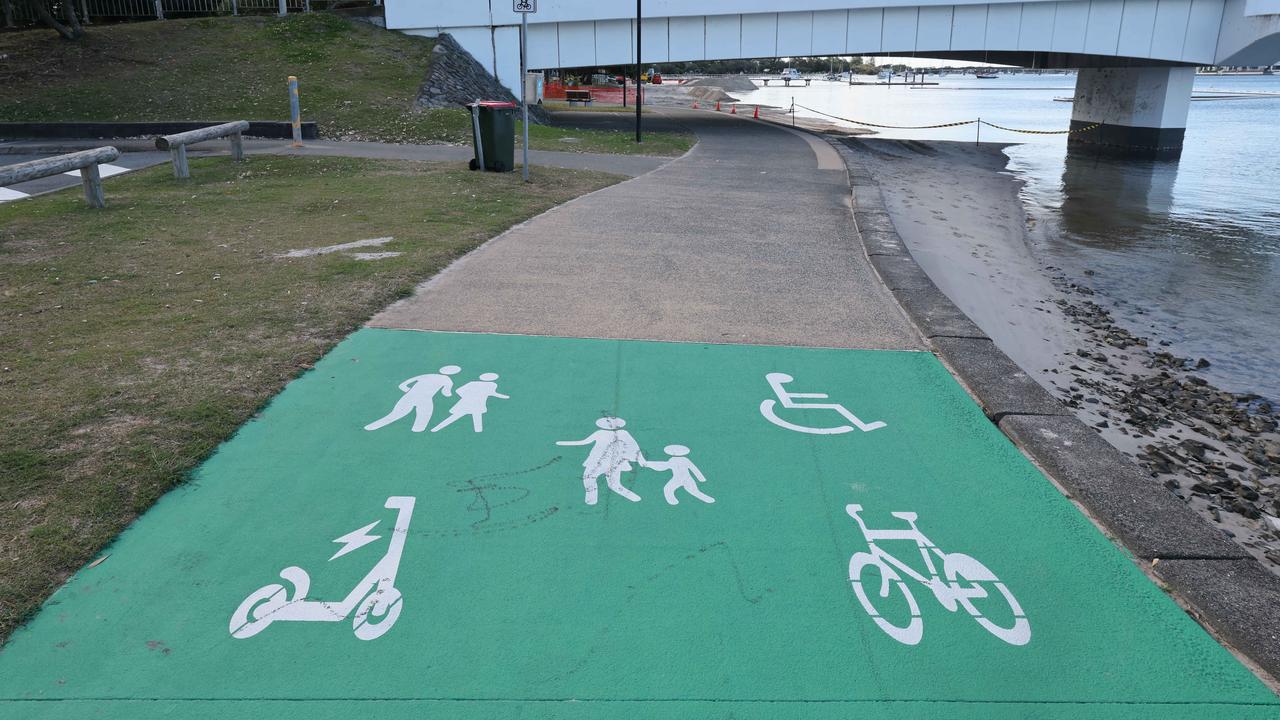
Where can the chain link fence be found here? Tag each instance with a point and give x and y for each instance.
(20, 13)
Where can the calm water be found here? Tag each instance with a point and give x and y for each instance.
(1195, 243)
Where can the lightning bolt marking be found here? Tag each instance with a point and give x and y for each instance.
(356, 539)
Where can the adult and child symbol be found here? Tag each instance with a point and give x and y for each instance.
(612, 452)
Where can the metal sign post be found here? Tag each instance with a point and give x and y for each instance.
(639, 73)
(524, 7)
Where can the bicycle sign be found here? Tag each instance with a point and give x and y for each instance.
(787, 400)
(964, 583)
(524, 6)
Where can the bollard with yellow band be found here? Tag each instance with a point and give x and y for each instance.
(295, 113)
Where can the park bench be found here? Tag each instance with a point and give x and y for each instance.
(582, 96)
(86, 161)
(177, 144)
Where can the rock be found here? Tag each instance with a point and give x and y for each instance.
(1246, 508)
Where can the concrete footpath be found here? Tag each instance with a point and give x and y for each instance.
(671, 450)
(745, 239)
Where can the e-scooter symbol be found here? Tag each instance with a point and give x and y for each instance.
(378, 599)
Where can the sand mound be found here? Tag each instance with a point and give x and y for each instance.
(729, 83)
(708, 93)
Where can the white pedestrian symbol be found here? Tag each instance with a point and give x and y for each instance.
(473, 400)
(375, 599)
(419, 394)
(960, 584)
(684, 474)
(612, 452)
(787, 400)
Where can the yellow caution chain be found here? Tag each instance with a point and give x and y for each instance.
(1086, 128)
(893, 127)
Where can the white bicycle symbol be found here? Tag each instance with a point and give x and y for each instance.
(788, 401)
(963, 583)
(379, 600)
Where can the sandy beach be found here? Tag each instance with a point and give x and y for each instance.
(961, 215)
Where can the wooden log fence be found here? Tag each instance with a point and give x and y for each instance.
(86, 161)
(177, 144)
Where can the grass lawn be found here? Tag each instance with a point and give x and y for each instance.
(358, 82)
(138, 337)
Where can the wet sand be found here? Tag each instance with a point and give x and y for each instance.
(959, 212)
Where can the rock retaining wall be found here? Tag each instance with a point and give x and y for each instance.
(455, 78)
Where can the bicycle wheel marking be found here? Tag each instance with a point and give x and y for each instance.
(949, 593)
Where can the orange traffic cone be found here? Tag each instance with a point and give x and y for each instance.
(756, 115)
(733, 109)
(717, 106)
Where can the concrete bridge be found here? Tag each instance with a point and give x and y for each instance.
(1136, 58)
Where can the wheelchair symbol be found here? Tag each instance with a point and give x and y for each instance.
(787, 400)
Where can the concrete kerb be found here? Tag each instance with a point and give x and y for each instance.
(1236, 598)
(1219, 584)
(1147, 518)
(878, 232)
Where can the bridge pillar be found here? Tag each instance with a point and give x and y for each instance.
(1140, 111)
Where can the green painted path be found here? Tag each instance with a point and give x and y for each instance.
(471, 578)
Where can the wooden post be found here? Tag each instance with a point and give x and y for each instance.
(92, 181)
(159, 10)
(8, 12)
(235, 7)
(177, 143)
(50, 166)
(284, 8)
(84, 11)
(180, 168)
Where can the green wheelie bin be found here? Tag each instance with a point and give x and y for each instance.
(495, 136)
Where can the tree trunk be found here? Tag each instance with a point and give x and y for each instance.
(72, 20)
(71, 31)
